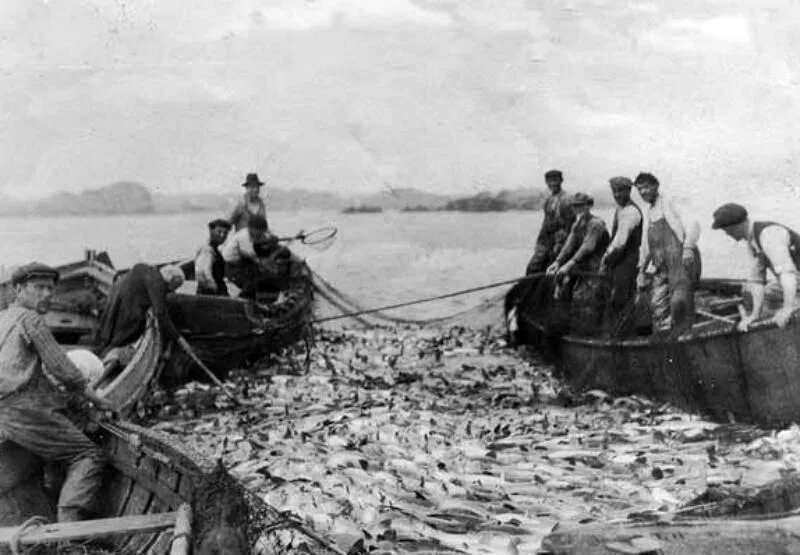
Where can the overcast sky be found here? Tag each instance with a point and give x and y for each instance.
(357, 95)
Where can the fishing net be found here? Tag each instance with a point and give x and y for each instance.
(319, 239)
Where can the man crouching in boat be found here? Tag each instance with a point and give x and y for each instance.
(31, 407)
(209, 266)
(125, 316)
(581, 254)
(252, 257)
(770, 245)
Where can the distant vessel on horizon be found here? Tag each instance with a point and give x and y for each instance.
(364, 209)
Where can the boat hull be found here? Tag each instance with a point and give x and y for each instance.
(714, 370)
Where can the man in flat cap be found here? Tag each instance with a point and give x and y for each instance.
(771, 246)
(124, 318)
(581, 254)
(558, 219)
(250, 205)
(621, 258)
(31, 407)
(669, 248)
(209, 266)
(531, 296)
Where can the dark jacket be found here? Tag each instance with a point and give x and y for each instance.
(125, 316)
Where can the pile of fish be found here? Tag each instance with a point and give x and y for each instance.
(404, 440)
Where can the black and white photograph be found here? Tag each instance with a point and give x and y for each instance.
(388, 277)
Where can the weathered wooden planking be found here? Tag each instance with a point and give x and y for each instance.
(88, 529)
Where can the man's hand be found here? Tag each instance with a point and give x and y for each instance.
(782, 317)
(688, 258)
(744, 323)
(565, 269)
(552, 269)
(642, 281)
(99, 402)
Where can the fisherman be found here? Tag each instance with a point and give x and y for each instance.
(576, 267)
(250, 205)
(31, 407)
(558, 219)
(770, 245)
(247, 256)
(124, 319)
(621, 258)
(670, 245)
(532, 299)
(209, 266)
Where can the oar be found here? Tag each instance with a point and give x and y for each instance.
(188, 350)
(716, 317)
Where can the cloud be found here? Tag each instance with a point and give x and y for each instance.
(687, 34)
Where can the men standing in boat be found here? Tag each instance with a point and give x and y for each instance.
(770, 245)
(250, 205)
(576, 265)
(558, 219)
(209, 266)
(670, 246)
(124, 319)
(31, 407)
(621, 258)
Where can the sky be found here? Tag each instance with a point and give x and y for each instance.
(356, 96)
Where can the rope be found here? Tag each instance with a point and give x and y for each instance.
(15, 542)
(429, 299)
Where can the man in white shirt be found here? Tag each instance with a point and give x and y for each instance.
(621, 258)
(669, 248)
(244, 252)
(770, 245)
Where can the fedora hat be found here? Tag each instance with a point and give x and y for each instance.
(252, 179)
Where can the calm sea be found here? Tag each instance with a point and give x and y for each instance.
(378, 258)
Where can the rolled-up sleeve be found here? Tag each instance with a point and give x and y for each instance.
(203, 266)
(627, 220)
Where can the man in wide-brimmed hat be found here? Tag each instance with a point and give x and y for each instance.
(209, 266)
(31, 407)
(250, 205)
(770, 245)
(577, 264)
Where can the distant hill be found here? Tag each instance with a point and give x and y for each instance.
(127, 197)
(402, 197)
(509, 199)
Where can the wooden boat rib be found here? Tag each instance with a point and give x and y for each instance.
(126, 387)
(150, 480)
(715, 369)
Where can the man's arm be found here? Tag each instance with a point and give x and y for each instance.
(775, 242)
(236, 214)
(51, 353)
(593, 233)
(203, 268)
(157, 293)
(627, 220)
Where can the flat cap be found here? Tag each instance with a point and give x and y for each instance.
(729, 214)
(581, 199)
(219, 222)
(33, 270)
(554, 174)
(620, 182)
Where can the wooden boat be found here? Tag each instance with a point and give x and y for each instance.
(158, 497)
(80, 295)
(713, 369)
(224, 332)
